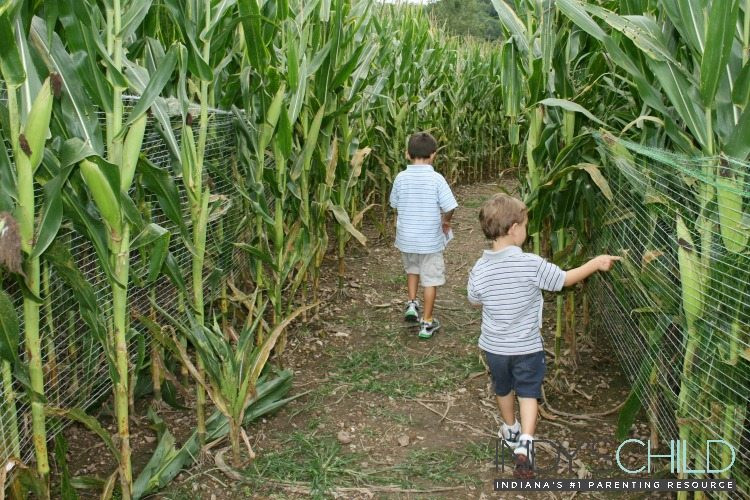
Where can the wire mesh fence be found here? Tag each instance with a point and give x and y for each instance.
(75, 366)
(678, 309)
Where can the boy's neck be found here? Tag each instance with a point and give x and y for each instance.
(502, 243)
(420, 161)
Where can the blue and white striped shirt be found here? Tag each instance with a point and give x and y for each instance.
(420, 195)
(508, 284)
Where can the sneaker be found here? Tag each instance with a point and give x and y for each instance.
(412, 311)
(524, 459)
(510, 435)
(426, 329)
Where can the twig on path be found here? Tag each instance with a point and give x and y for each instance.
(477, 375)
(581, 416)
(447, 409)
(457, 422)
(579, 391)
(550, 417)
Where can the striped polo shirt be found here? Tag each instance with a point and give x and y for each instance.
(421, 195)
(508, 284)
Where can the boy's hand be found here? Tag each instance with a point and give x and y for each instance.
(604, 262)
(446, 227)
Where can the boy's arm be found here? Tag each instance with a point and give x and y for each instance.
(474, 298)
(393, 198)
(447, 216)
(601, 263)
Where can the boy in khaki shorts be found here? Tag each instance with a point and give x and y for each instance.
(425, 206)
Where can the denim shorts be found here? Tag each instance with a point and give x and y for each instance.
(522, 373)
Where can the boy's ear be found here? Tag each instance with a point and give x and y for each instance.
(432, 157)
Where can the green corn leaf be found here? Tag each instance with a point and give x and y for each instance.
(165, 451)
(689, 19)
(11, 64)
(61, 260)
(159, 182)
(683, 97)
(218, 12)
(80, 416)
(256, 50)
(627, 415)
(197, 65)
(343, 218)
(741, 91)
(345, 72)
(292, 62)
(174, 273)
(298, 98)
(80, 116)
(737, 145)
(513, 24)
(719, 38)
(66, 487)
(264, 257)
(571, 106)
(574, 11)
(52, 212)
(154, 87)
(134, 13)
(9, 330)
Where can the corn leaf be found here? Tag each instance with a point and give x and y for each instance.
(80, 116)
(719, 38)
(343, 218)
(154, 87)
(513, 24)
(9, 330)
(571, 106)
(11, 64)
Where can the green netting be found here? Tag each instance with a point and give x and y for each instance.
(678, 309)
(76, 373)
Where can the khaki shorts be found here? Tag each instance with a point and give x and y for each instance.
(430, 267)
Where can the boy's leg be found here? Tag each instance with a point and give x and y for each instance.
(507, 404)
(528, 373)
(430, 292)
(529, 410)
(412, 284)
(432, 275)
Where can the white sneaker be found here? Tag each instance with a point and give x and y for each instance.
(510, 434)
(411, 313)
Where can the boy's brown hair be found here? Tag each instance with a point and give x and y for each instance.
(499, 213)
(421, 146)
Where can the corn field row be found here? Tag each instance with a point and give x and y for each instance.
(155, 237)
(199, 255)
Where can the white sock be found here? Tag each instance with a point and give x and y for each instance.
(514, 428)
(523, 449)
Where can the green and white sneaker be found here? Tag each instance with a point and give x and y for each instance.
(428, 328)
(411, 313)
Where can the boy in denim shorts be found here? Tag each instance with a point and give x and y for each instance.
(425, 206)
(508, 284)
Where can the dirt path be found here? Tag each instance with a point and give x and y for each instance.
(387, 415)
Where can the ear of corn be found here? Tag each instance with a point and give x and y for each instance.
(104, 193)
(734, 232)
(131, 151)
(36, 128)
